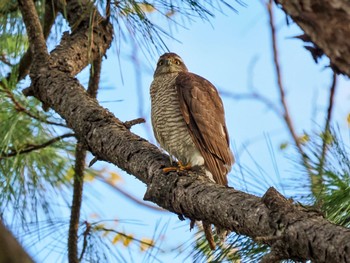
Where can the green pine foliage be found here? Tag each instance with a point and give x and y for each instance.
(334, 199)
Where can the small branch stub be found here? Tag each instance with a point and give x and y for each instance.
(129, 124)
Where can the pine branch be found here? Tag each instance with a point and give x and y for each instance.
(20, 108)
(35, 147)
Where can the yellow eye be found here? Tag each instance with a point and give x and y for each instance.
(160, 63)
(177, 62)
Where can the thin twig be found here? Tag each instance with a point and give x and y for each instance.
(30, 148)
(326, 131)
(85, 242)
(129, 124)
(20, 108)
(253, 96)
(127, 195)
(286, 114)
(95, 73)
(80, 154)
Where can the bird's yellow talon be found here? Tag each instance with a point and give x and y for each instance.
(170, 169)
(178, 168)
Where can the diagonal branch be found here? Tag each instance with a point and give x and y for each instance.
(20, 108)
(31, 148)
(316, 181)
(281, 89)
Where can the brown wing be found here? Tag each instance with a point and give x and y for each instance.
(203, 112)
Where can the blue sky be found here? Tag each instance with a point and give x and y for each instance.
(234, 52)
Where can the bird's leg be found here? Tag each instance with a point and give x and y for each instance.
(180, 167)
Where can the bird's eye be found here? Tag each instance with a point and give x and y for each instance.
(160, 63)
(177, 62)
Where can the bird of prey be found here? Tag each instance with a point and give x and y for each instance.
(188, 119)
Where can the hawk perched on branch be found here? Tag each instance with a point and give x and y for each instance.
(189, 123)
(188, 118)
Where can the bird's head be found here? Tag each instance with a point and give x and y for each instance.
(170, 63)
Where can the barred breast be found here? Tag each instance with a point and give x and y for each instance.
(168, 123)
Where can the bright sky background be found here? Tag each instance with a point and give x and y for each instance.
(234, 52)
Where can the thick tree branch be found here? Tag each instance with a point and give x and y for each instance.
(34, 30)
(287, 228)
(87, 43)
(326, 23)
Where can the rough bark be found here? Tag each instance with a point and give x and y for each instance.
(291, 231)
(327, 24)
